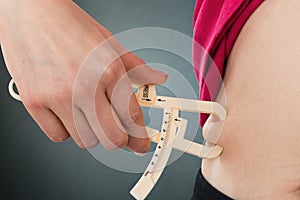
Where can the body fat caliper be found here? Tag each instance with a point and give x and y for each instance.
(171, 134)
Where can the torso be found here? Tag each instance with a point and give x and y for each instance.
(261, 136)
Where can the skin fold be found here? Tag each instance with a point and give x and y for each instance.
(261, 158)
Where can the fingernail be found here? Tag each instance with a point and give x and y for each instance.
(161, 73)
(140, 154)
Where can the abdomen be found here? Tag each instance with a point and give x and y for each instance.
(261, 135)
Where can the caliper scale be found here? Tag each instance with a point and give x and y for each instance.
(172, 134)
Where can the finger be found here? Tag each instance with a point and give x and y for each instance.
(87, 138)
(124, 102)
(86, 134)
(104, 123)
(142, 73)
(89, 95)
(49, 123)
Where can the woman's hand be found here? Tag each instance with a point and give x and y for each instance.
(44, 43)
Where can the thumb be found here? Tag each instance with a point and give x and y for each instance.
(140, 73)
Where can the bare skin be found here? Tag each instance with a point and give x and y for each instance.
(44, 43)
(261, 158)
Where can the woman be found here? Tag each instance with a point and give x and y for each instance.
(261, 132)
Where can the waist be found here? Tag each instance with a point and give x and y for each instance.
(261, 157)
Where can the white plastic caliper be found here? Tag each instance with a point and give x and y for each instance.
(172, 134)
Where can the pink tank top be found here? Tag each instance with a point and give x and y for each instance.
(217, 24)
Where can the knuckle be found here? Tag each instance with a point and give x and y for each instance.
(32, 101)
(113, 72)
(61, 93)
(120, 143)
(135, 118)
(82, 89)
(116, 143)
(93, 38)
(61, 96)
(58, 96)
(43, 100)
(114, 67)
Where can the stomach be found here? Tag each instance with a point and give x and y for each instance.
(261, 134)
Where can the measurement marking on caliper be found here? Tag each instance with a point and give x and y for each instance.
(146, 99)
(164, 140)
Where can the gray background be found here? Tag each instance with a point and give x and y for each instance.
(32, 167)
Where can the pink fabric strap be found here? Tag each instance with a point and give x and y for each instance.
(217, 24)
